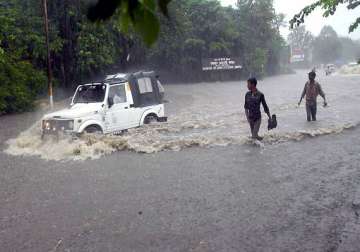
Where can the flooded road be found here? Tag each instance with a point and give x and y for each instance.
(212, 114)
(202, 186)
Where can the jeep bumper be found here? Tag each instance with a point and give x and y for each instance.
(162, 119)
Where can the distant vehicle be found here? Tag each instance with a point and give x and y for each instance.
(120, 102)
(329, 69)
(352, 64)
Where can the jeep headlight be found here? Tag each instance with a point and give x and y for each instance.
(46, 125)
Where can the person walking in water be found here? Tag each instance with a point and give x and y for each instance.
(253, 99)
(311, 90)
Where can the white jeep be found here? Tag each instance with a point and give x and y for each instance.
(120, 102)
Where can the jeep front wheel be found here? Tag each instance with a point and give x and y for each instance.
(93, 129)
(150, 119)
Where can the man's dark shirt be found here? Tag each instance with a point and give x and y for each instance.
(252, 104)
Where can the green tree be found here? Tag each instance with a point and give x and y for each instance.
(260, 39)
(327, 46)
(141, 15)
(96, 49)
(329, 8)
(21, 53)
(181, 33)
(20, 84)
(303, 39)
(350, 49)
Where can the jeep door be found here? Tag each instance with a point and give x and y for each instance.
(146, 101)
(117, 115)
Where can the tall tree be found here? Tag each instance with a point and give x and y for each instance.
(350, 49)
(141, 15)
(300, 37)
(303, 39)
(329, 8)
(83, 50)
(327, 46)
(261, 39)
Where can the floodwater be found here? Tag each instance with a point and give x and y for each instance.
(202, 187)
(212, 114)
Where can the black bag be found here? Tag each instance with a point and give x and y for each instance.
(272, 123)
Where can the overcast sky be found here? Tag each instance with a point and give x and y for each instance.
(340, 21)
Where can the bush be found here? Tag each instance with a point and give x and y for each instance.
(20, 85)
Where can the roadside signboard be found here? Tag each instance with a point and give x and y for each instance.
(297, 55)
(226, 63)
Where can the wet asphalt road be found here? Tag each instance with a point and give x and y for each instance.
(295, 196)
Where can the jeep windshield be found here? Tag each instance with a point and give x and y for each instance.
(90, 93)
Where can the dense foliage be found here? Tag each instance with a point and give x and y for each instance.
(329, 8)
(20, 81)
(303, 39)
(83, 50)
(141, 15)
(327, 47)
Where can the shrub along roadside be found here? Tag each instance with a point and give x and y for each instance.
(20, 85)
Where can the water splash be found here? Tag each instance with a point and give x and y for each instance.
(148, 139)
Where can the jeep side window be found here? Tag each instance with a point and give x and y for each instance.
(145, 85)
(118, 93)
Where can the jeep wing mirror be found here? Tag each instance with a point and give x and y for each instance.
(110, 102)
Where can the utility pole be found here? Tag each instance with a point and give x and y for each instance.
(49, 74)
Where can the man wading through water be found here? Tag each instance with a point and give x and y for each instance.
(253, 99)
(312, 89)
